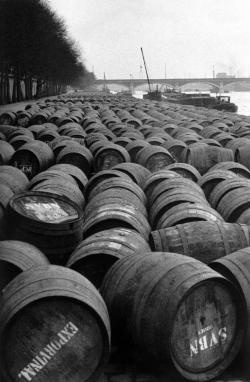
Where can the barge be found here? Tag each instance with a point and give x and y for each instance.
(220, 102)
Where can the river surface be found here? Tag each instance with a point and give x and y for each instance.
(241, 99)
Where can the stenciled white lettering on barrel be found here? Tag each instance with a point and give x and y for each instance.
(25, 168)
(48, 352)
(208, 338)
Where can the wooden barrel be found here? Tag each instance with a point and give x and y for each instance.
(54, 326)
(7, 130)
(33, 158)
(78, 136)
(154, 158)
(209, 180)
(97, 145)
(235, 167)
(57, 140)
(175, 147)
(5, 195)
(39, 118)
(210, 132)
(181, 131)
(244, 218)
(116, 215)
(117, 196)
(200, 315)
(118, 183)
(7, 118)
(110, 155)
(122, 141)
(50, 222)
(203, 157)
(174, 184)
(6, 152)
(185, 170)
(62, 187)
(64, 129)
(71, 129)
(89, 121)
(224, 187)
(135, 171)
(236, 268)
(169, 128)
(132, 135)
(94, 256)
(234, 203)
(242, 155)
(10, 181)
(62, 143)
(17, 174)
(244, 133)
(61, 121)
(204, 240)
(224, 138)
(103, 175)
(51, 174)
(188, 212)
(156, 178)
(2, 137)
(195, 127)
(47, 135)
(20, 131)
(79, 156)
(23, 118)
(94, 137)
(79, 176)
(172, 198)
(189, 139)
(16, 257)
(35, 129)
(212, 142)
(134, 147)
(20, 140)
(237, 142)
(155, 141)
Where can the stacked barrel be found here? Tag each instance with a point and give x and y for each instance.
(127, 212)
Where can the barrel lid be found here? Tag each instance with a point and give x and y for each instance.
(45, 207)
(205, 329)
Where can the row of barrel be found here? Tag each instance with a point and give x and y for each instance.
(54, 324)
(186, 301)
(127, 195)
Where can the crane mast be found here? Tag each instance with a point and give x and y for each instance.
(149, 86)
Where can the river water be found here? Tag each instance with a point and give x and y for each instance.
(241, 99)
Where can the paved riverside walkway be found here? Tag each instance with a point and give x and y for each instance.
(21, 105)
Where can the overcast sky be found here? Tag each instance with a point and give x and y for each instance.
(189, 36)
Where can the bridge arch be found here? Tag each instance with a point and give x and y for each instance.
(238, 86)
(153, 85)
(199, 86)
(116, 87)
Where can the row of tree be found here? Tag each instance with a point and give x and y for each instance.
(35, 48)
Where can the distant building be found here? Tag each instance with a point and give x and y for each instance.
(224, 75)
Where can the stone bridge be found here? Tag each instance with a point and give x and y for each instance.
(213, 84)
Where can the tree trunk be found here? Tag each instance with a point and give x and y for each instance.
(26, 81)
(39, 88)
(2, 85)
(18, 88)
(8, 87)
(14, 89)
